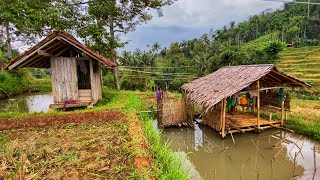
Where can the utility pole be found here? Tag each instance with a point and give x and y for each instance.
(297, 2)
(308, 9)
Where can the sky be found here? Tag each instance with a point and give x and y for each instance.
(188, 19)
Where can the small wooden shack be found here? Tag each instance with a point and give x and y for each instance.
(76, 72)
(234, 97)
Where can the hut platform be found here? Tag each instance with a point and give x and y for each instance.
(64, 106)
(248, 122)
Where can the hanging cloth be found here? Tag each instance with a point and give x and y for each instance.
(231, 102)
(83, 67)
(281, 95)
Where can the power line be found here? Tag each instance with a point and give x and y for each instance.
(139, 67)
(156, 73)
(175, 79)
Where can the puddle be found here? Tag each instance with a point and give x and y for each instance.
(27, 103)
(216, 158)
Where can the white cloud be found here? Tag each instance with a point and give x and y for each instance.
(187, 19)
(204, 13)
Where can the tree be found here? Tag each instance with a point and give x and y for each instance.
(156, 47)
(34, 17)
(106, 20)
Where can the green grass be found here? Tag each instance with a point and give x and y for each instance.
(303, 118)
(169, 164)
(12, 83)
(302, 126)
(16, 82)
(42, 85)
(259, 42)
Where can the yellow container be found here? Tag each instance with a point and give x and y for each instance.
(243, 101)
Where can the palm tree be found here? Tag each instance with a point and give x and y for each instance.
(155, 47)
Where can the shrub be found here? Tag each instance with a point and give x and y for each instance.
(13, 82)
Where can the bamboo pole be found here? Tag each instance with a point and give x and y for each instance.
(282, 113)
(258, 105)
(314, 158)
(232, 138)
(224, 117)
(257, 149)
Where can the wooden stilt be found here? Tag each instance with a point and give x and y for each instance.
(223, 118)
(258, 105)
(270, 117)
(254, 105)
(282, 113)
(286, 115)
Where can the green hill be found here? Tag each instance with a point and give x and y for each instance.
(259, 42)
(303, 63)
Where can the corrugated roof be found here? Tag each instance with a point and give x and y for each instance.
(53, 44)
(211, 89)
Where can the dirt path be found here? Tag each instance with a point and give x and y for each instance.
(58, 120)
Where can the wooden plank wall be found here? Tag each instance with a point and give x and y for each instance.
(64, 79)
(96, 83)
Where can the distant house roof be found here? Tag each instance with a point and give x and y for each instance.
(53, 44)
(211, 89)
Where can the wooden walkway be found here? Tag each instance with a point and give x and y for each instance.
(248, 122)
(72, 105)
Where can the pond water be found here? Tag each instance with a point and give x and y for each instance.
(271, 154)
(27, 103)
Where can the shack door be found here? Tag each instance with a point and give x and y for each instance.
(84, 80)
(64, 79)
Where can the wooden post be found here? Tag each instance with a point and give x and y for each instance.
(282, 113)
(258, 105)
(223, 118)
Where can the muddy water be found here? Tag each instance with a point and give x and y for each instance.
(216, 158)
(27, 103)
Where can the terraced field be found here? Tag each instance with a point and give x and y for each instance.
(303, 63)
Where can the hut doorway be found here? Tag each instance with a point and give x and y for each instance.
(83, 71)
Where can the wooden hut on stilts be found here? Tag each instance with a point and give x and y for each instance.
(234, 97)
(76, 71)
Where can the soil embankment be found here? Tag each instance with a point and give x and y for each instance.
(58, 120)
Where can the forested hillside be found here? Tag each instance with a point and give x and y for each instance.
(259, 40)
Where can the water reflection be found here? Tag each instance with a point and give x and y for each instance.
(27, 103)
(271, 154)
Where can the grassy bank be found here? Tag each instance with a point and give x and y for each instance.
(16, 82)
(129, 148)
(304, 117)
(311, 129)
(169, 164)
(13, 82)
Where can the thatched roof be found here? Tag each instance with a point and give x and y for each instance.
(211, 89)
(53, 44)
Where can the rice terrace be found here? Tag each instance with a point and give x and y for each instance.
(160, 89)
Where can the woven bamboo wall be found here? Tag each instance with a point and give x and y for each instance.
(171, 112)
(213, 117)
(270, 98)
